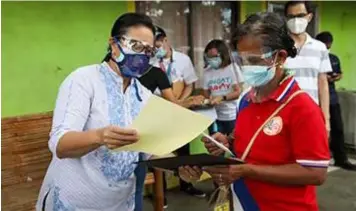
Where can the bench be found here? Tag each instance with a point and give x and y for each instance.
(25, 158)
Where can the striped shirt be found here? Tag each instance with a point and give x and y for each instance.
(311, 60)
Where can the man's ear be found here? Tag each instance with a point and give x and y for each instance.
(310, 17)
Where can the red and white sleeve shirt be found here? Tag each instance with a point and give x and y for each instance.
(296, 134)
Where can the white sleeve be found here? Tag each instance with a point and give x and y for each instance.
(72, 108)
(325, 64)
(189, 75)
(175, 77)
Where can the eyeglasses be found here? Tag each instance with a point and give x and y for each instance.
(137, 46)
(256, 59)
(300, 15)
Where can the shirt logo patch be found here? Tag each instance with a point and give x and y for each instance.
(274, 126)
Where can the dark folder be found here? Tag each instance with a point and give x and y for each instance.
(199, 160)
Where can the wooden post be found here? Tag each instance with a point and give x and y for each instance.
(158, 190)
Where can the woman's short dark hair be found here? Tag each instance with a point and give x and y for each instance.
(325, 37)
(307, 5)
(127, 20)
(223, 50)
(271, 29)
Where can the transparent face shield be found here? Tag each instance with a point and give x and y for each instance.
(250, 59)
(258, 69)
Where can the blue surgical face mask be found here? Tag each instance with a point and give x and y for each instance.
(161, 53)
(257, 75)
(214, 63)
(132, 64)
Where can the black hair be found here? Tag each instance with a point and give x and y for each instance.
(325, 37)
(222, 49)
(127, 20)
(307, 5)
(160, 33)
(271, 28)
(131, 19)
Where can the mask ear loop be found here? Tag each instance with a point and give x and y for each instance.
(270, 54)
(135, 81)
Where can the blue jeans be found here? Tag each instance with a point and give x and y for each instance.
(140, 173)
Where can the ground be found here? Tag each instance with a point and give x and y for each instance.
(337, 194)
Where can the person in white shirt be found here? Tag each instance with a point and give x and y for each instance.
(178, 66)
(312, 62)
(94, 107)
(222, 82)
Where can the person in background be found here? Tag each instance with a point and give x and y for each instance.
(155, 79)
(95, 106)
(312, 63)
(337, 137)
(176, 65)
(221, 85)
(280, 132)
(180, 71)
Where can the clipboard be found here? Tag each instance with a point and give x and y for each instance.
(199, 160)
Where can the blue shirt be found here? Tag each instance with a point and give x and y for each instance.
(335, 64)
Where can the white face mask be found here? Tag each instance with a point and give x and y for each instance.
(297, 25)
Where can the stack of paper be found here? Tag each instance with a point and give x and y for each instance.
(164, 127)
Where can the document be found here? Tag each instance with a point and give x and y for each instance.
(164, 127)
(200, 160)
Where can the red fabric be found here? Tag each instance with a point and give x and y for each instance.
(297, 134)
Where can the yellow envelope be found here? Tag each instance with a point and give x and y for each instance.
(164, 127)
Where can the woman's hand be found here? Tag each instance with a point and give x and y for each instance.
(226, 175)
(115, 137)
(212, 148)
(190, 174)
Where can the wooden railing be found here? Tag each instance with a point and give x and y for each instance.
(25, 158)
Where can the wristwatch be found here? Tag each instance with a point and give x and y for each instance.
(224, 98)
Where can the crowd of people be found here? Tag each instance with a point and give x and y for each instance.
(279, 125)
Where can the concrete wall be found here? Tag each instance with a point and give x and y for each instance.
(42, 42)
